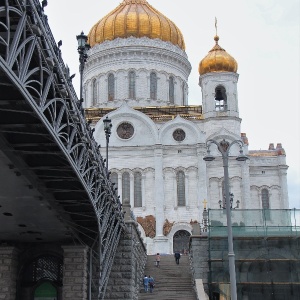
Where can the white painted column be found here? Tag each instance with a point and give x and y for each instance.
(120, 186)
(284, 188)
(159, 190)
(186, 190)
(220, 194)
(131, 189)
(174, 183)
(202, 178)
(173, 179)
(143, 191)
(246, 195)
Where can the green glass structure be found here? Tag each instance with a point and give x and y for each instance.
(267, 254)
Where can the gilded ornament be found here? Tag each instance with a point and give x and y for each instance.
(135, 18)
(217, 60)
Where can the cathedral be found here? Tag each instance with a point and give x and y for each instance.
(136, 75)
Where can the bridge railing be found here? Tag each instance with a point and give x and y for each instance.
(31, 59)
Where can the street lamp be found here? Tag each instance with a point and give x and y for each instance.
(107, 130)
(222, 204)
(82, 49)
(224, 147)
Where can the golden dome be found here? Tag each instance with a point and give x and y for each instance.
(217, 60)
(135, 18)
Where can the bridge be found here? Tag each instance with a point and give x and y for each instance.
(63, 231)
(54, 190)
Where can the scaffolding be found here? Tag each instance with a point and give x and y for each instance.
(156, 113)
(267, 254)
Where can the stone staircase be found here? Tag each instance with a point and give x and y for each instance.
(172, 281)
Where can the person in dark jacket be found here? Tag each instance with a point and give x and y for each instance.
(177, 257)
(151, 283)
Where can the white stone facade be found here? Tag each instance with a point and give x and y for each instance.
(143, 56)
(153, 152)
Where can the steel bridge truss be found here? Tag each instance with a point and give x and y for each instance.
(41, 119)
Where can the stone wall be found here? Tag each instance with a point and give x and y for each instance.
(75, 273)
(127, 271)
(199, 258)
(8, 272)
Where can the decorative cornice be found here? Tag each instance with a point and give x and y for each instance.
(137, 49)
(133, 41)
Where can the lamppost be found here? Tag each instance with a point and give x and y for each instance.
(82, 49)
(224, 147)
(222, 204)
(107, 130)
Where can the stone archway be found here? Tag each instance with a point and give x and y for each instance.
(181, 241)
(41, 277)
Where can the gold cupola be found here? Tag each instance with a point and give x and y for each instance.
(135, 18)
(217, 60)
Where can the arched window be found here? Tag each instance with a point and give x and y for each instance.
(132, 85)
(153, 86)
(265, 199)
(126, 186)
(111, 87)
(114, 179)
(137, 189)
(180, 188)
(171, 90)
(94, 92)
(220, 98)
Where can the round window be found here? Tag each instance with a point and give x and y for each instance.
(179, 135)
(125, 130)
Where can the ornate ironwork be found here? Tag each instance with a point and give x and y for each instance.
(31, 66)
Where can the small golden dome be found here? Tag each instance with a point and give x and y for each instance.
(217, 60)
(135, 18)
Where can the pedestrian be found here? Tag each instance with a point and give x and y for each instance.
(177, 257)
(146, 283)
(157, 259)
(151, 283)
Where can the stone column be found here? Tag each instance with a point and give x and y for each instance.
(246, 200)
(131, 190)
(120, 186)
(159, 190)
(8, 272)
(284, 188)
(143, 191)
(202, 181)
(186, 190)
(75, 272)
(174, 184)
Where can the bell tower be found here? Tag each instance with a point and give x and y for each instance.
(218, 81)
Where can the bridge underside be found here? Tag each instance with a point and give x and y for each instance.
(41, 196)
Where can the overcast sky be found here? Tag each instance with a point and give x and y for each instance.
(262, 35)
